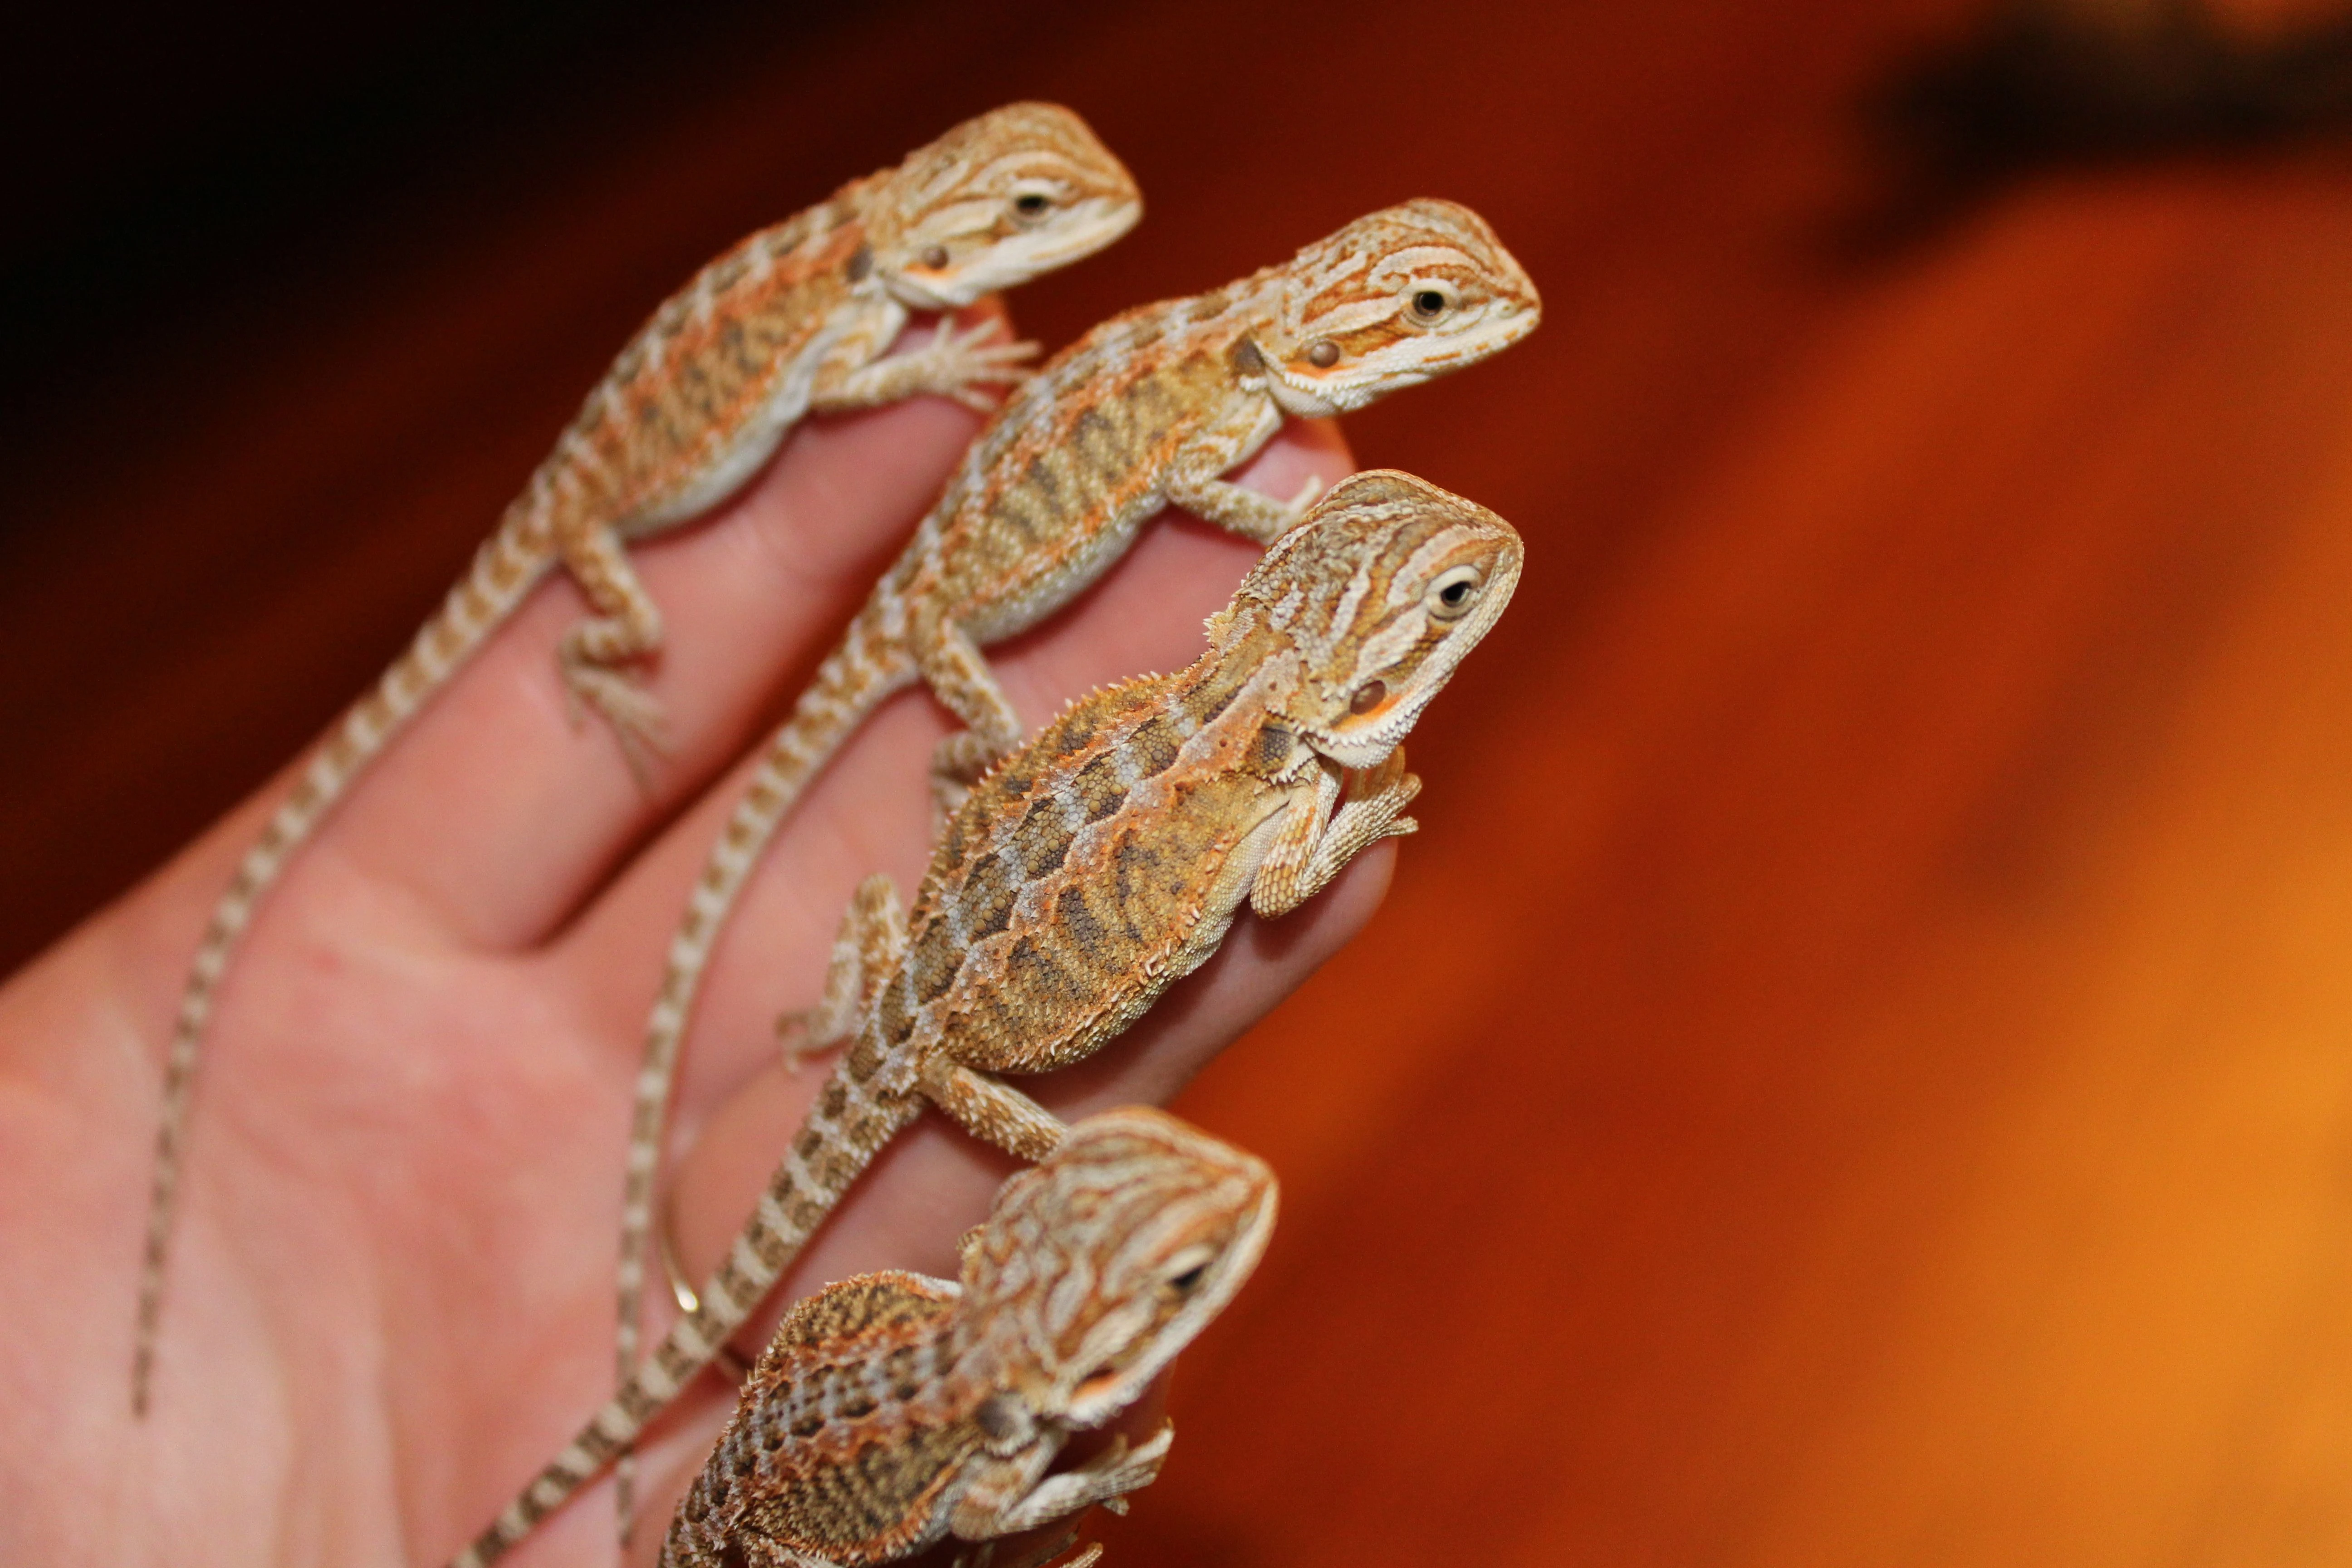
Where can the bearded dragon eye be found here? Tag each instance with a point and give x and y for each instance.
(1369, 695)
(1428, 304)
(1031, 206)
(1451, 596)
(1190, 1280)
(935, 256)
(1323, 354)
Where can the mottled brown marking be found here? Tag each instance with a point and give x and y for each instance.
(933, 961)
(988, 897)
(1078, 923)
(1043, 838)
(1097, 787)
(1039, 973)
(1270, 748)
(1153, 747)
(895, 1019)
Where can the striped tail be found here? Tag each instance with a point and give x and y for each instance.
(869, 665)
(831, 1148)
(504, 570)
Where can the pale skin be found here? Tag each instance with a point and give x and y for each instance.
(392, 1295)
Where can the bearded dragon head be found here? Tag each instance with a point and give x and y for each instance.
(1100, 1263)
(1383, 586)
(1392, 300)
(998, 200)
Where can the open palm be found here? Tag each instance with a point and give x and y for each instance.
(391, 1293)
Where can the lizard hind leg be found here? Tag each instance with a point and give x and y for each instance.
(991, 1110)
(959, 678)
(864, 951)
(625, 629)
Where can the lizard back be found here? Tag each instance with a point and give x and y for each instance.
(1056, 486)
(718, 370)
(1081, 880)
(851, 1428)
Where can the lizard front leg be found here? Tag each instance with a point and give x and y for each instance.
(952, 365)
(1195, 480)
(1314, 843)
(1000, 1503)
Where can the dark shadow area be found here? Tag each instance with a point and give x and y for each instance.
(164, 162)
(2039, 86)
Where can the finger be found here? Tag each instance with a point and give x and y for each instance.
(500, 807)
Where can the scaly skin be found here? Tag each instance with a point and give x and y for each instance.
(792, 320)
(892, 1411)
(1150, 408)
(1101, 862)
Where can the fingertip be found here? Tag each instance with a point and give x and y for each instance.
(1301, 450)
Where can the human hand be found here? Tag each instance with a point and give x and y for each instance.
(391, 1293)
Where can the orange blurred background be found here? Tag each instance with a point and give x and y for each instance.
(1857, 1068)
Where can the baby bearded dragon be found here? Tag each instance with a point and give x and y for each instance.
(1149, 407)
(1101, 862)
(892, 1411)
(794, 319)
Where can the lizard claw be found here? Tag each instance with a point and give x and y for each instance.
(1375, 808)
(1130, 1469)
(963, 362)
(1309, 488)
(1155, 1447)
(633, 713)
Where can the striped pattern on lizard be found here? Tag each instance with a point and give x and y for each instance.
(890, 1412)
(1150, 408)
(1098, 864)
(794, 319)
